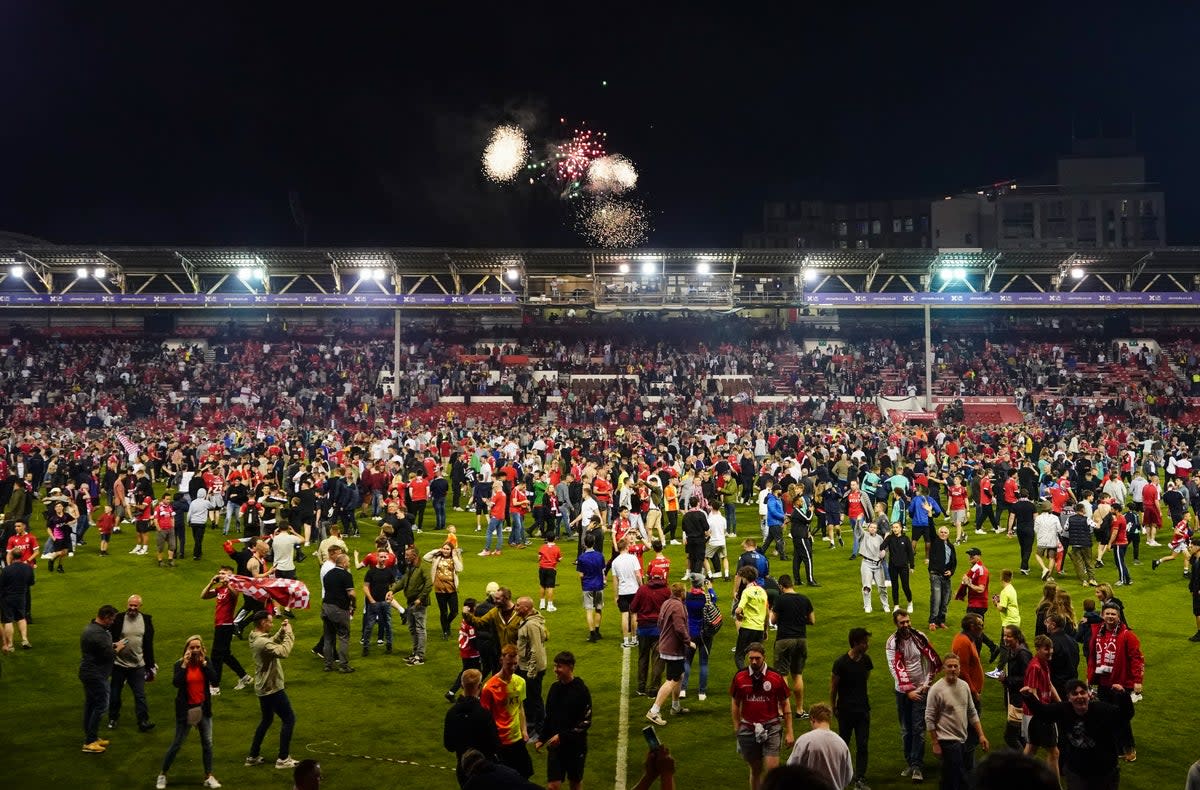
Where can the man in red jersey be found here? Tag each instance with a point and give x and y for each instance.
(223, 630)
(761, 708)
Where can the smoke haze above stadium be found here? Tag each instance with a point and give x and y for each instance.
(173, 123)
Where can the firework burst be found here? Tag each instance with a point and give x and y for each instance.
(611, 174)
(505, 153)
(613, 222)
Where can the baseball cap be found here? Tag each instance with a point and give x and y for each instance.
(974, 552)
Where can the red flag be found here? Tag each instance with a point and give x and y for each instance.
(288, 593)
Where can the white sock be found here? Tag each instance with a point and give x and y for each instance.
(654, 709)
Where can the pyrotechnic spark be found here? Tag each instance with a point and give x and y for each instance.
(611, 174)
(613, 222)
(572, 158)
(505, 153)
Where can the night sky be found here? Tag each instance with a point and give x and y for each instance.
(188, 124)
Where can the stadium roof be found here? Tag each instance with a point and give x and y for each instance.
(645, 278)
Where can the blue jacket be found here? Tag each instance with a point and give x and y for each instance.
(774, 511)
(916, 509)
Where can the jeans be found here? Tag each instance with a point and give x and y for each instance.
(337, 634)
(231, 517)
(376, 502)
(939, 597)
(378, 612)
(447, 609)
(222, 652)
(136, 678)
(273, 705)
(858, 725)
(414, 616)
(912, 729)
(439, 512)
(857, 528)
(704, 648)
(745, 636)
(495, 526)
(731, 518)
(775, 538)
(181, 731)
(564, 519)
(467, 663)
(81, 528)
(535, 707)
(954, 765)
(180, 540)
(517, 536)
(95, 704)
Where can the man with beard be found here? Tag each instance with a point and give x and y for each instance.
(913, 663)
(1116, 666)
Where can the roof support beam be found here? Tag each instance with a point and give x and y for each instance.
(40, 270)
(336, 272)
(990, 272)
(872, 270)
(189, 269)
(1136, 270)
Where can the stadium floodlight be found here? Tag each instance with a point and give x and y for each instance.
(100, 273)
(260, 273)
(377, 275)
(649, 268)
(1077, 272)
(952, 273)
(512, 274)
(702, 267)
(17, 270)
(810, 275)
(623, 268)
(245, 273)
(81, 273)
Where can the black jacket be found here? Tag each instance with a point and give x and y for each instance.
(937, 556)
(180, 681)
(469, 726)
(147, 639)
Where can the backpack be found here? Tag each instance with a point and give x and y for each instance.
(712, 618)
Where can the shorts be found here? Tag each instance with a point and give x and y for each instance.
(593, 600)
(623, 602)
(566, 762)
(1196, 605)
(547, 577)
(142, 527)
(920, 533)
(281, 574)
(958, 517)
(751, 749)
(673, 668)
(166, 537)
(1180, 549)
(1048, 553)
(712, 552)
(481, 507)
(790, 656)
(1037, 731)
(62, 545)
(11, 611)
(216, 502)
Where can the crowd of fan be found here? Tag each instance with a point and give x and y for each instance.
(668, 373)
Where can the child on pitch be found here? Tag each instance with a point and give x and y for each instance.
(549, 555)
(871, 569)
(1179, 543)
(106, 524)
(660, 564)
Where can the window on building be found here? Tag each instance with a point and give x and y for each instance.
(908, 224)
(896, 224)
(876, 227)
(861, 227)
(843, 228)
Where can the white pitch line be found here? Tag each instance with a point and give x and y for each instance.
(623, 724)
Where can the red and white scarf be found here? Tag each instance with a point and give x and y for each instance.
(900, 666)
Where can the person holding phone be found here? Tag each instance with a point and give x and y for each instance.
(268, 651)
(194, 677)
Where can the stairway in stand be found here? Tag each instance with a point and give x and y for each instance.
(992, 414)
